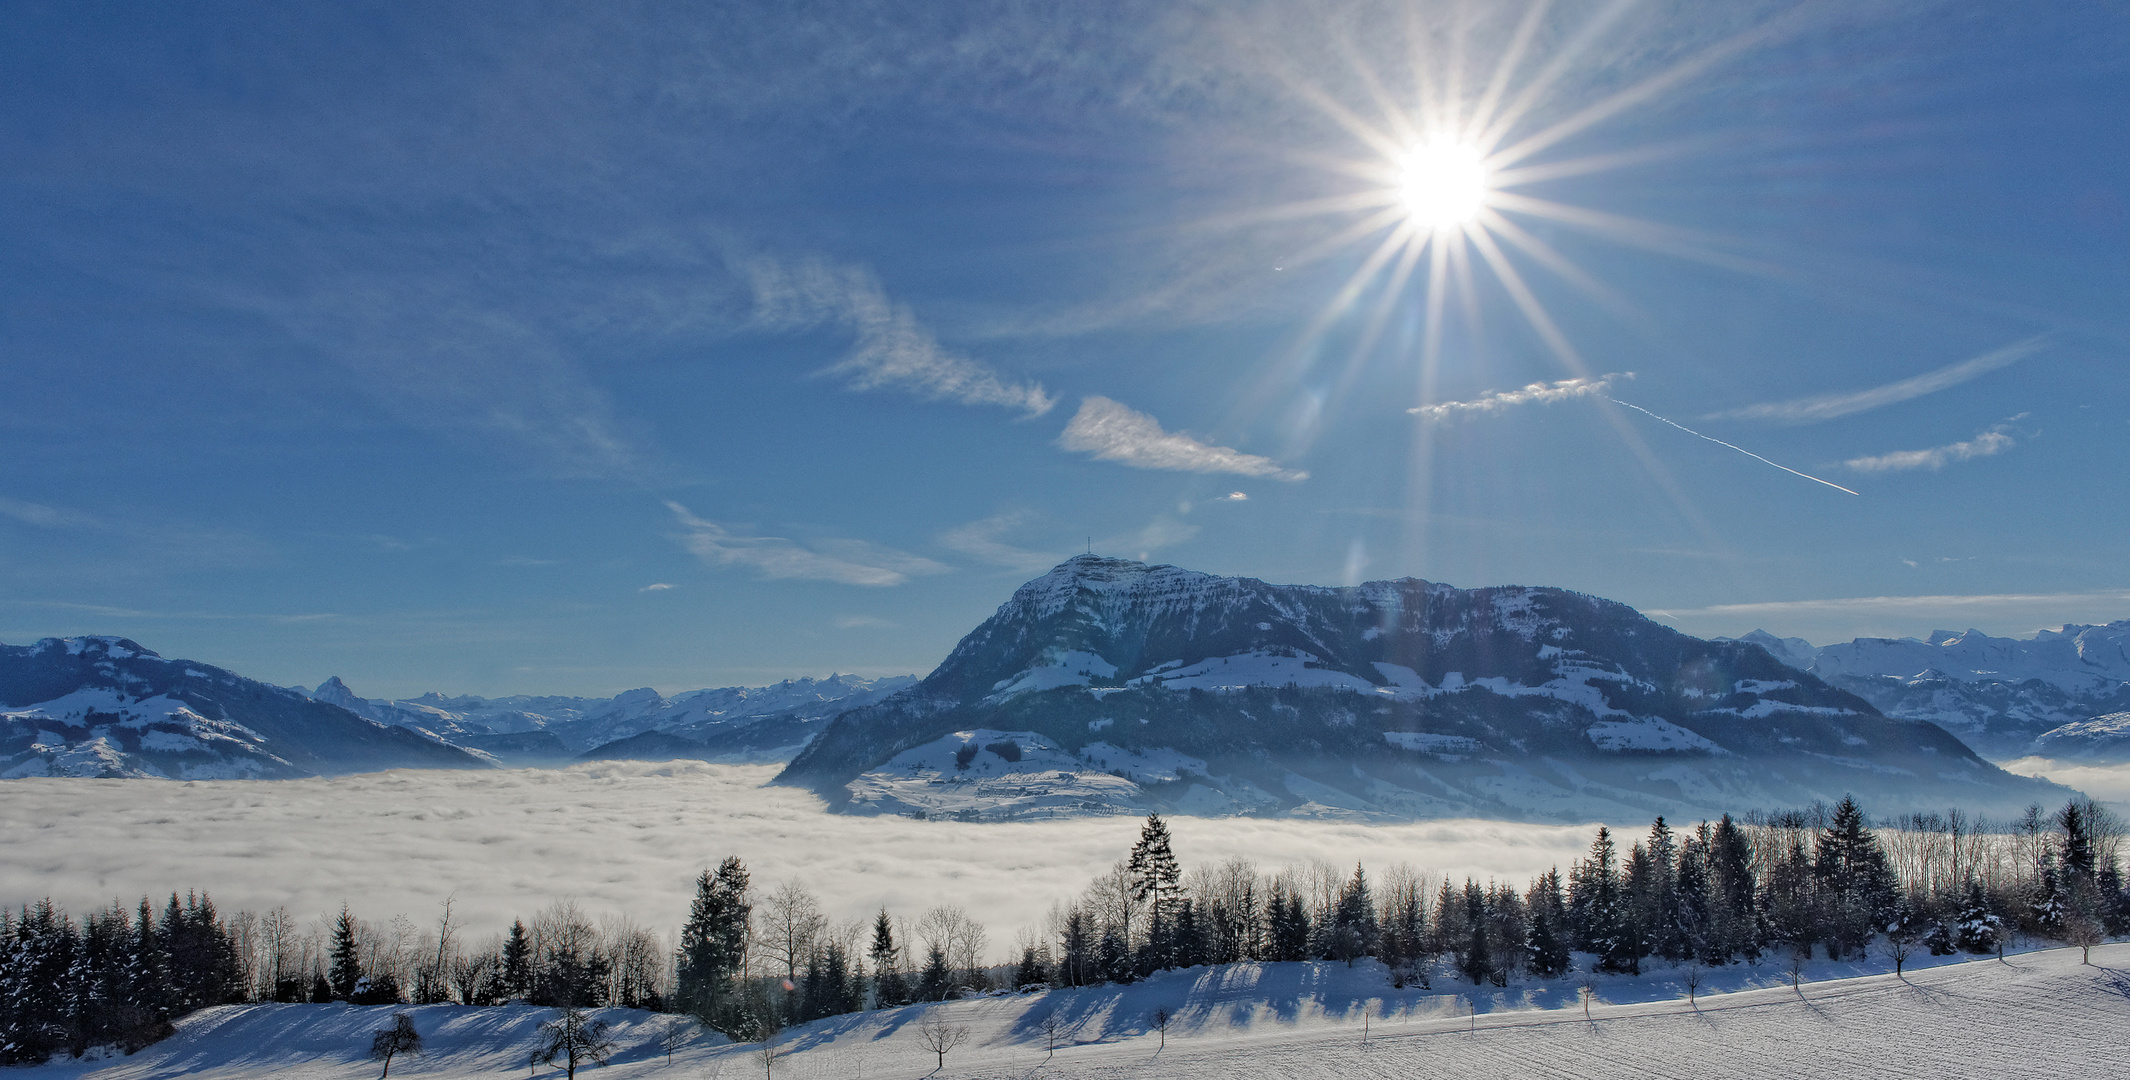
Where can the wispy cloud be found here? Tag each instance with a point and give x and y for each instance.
(1984, 444)
(656, 586)
(42, 516)
(851, 562)
(863, 622)
(1115, 432)
(982, 539)
(893, 349)
(1538, 393)
(2034, 608)
(1829, 406)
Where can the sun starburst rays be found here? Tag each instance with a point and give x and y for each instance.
(1452, 155)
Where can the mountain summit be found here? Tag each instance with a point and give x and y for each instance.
(1114, 686)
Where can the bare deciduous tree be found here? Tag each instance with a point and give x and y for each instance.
(575, 1038)
(939, 1037)
(1692, 975)
(400, 1038)
(788, 927)
(960, 937)
(1054, 1027)
(1161, 1023)
(2084, 931)
(674, 1032)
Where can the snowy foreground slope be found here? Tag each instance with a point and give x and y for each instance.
(2031, 1015)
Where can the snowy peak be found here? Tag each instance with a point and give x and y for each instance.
(106, 706)
(334, 692)
(2000, 694)
(1401, 698)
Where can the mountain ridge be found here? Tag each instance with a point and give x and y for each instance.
(1398, 698)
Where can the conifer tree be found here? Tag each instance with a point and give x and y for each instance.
(1978, 929)
(517, 967)
(345, 970)
(713, 946)
(936, 981)
(1155, 874)
(1856, 887)
(1595, 907)
(1076, 951)
(1353, 921)
(1547, 951)
(1031, 970)
(890, 989)
(1734, 916)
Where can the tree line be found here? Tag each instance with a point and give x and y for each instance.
(1780, 887)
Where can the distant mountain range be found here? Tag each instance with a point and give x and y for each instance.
(1110, 686)
(108, 706)
(2006, 697)
(733, 723)
(1114, 686)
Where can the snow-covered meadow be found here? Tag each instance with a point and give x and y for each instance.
(629, 838)
(2041, 1015)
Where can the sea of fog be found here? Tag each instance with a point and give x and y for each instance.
(629, 838)
(2108, 783)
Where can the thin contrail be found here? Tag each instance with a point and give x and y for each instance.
(1740, 449)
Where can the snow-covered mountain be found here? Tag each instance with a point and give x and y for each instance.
(1391, 699)
(2000, 695)
(726, 723)
(105, 706)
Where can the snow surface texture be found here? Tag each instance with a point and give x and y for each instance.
(2040, 1015)
(629, 837)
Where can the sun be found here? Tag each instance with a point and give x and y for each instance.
(1443, 183)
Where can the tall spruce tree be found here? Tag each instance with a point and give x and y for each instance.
(1596, 909)
(936, 981)
(344, 971)
(713, 948)
(890, 989)
(1856, 886)
(1547, 949)
(1734, 889)
(517, 966)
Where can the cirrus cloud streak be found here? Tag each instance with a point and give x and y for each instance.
(1984, 444)
(849, 562)
(892, 349)
(1538, 393)
(1829, 406)
(1113, 431)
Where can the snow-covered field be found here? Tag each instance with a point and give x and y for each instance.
(629, 837)
(2041, 1015)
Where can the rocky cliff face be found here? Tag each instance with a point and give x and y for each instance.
(1393, 699)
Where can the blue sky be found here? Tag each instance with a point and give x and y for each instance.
(522, 348)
